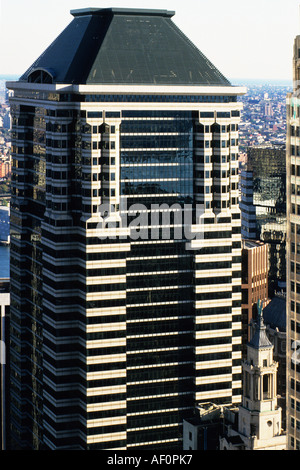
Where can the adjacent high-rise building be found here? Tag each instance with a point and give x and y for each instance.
(125, 236)
(263, 206)
(293, 255)
(254, 283)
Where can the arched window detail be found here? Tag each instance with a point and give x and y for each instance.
(40, 76)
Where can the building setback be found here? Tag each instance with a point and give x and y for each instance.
(117, 334)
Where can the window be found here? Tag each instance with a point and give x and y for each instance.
(266, 386)
(40, 76)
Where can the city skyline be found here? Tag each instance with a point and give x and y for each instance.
(264, 55)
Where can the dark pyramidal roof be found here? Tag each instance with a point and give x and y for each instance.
(124, 46)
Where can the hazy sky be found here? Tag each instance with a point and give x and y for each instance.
(244, 39)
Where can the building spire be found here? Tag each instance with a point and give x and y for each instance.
(260, 339)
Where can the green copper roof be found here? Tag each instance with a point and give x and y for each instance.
(125, 46)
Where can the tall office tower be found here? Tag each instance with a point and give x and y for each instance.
(293, 257)
(267, 169)
(254, 284)
(125, 238)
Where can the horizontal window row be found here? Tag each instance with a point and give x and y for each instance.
(165, 341)
(107, 287)
(213, 265)
(153, 419)
(156, 126)
(101, 145)
(213, 311)
(213, 371)
(214, 386)
(152, 171)
(106, 366)
(160, 357)
(148, 200)
(109, 382)
(107, 398)
(182, 309)
(158, 373)
(208, 281)
(214, 295)
(181, 186)
(213, 326)
(215, 144)
(179, 156)
(106, 413)
(168, 434)
(158, 264)
(158, 280)
(157, 141)
(213, 341)
(165, 98)
(164, 295)
(158, 388)
(160, 403)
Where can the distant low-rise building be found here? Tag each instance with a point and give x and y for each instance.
(5, 168)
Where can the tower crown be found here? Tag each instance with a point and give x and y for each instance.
(124, 46)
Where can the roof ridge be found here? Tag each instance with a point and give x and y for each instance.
(122, 11)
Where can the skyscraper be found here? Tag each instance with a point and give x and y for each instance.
(263, 206)
(125, 236)
(293, 250)
(254, 283)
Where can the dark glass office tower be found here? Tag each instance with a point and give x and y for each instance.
(263, 207)
(125, 236)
